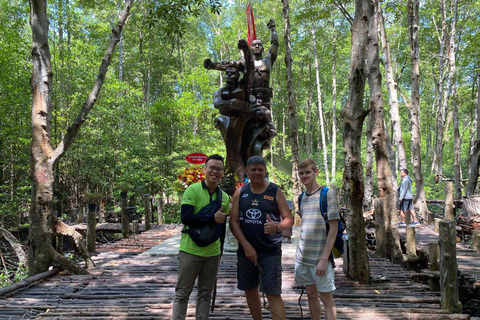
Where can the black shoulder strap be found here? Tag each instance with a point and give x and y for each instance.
(219, 195)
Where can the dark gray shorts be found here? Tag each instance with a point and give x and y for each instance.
(406, 205)
(267, 274)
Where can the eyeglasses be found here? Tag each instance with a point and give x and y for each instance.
(217, 169)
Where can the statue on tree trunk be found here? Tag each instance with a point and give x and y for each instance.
(245, 119)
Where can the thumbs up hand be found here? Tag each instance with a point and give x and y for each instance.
(220, 216)
(270, 226)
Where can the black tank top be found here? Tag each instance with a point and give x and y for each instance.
(254, 209)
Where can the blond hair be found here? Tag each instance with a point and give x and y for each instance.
(307, 162)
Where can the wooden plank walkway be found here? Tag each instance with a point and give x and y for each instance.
(468, 260)
(128, 285)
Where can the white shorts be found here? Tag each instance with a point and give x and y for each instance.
(305, 275)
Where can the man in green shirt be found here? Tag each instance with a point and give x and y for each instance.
(194, 261)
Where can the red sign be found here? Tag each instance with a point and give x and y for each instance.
(196, 158)
(252, 35)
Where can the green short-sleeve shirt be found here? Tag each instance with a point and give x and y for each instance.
(198, 196)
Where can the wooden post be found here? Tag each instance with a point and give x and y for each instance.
(59, 244)
(449, 201)
(437, 224)
(160, 209)
(449, 294)
(380, 233)
(410, 244)
(345, 256)
(433, 259)
(19, 220)
(125, 220)
(148, 213)
(135, 227)
(80, 215)
(476, 240)
(74, 215)
(408, 217)
(91, 225)
(101, 211)
(431, 218)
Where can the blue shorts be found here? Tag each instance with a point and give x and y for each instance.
(267, 274)
(406, 204)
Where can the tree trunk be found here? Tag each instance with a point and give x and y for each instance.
(41, 254)
(160, 209)
(474, 164)
(308, 116)
(354, 115)
(147, 213)
(456, 130)
(334, 104)
(368, 196)
(379, 140)
(441, 109)
(392, 91)
(414, 107)
(284, 130)
(292, 108)
(471, 138)
(320, 108)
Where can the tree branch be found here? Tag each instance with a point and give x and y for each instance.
(73, 130)
(66, 230)
(344, 11)
(16, 245)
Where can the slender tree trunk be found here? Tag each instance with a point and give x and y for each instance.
(368, 197)
(392, 160)
(475, 158)
(292, 108)
(308, 116)
(456, 130)
(320, 108)
(284, 130)
(414, 107)
(41, 254)
(471, 140)
(442, 100)
(379, 139)
(354, 115)
(334, 105)
(392, 91)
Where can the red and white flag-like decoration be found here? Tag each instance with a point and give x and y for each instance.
(252, 35)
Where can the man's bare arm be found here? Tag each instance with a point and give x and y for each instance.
(287, 218)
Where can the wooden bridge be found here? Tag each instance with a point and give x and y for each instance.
(127, 284)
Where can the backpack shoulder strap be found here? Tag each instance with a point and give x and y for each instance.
(219, 195)
(300, 199)
(323, 202)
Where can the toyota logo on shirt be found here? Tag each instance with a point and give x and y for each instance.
(253, 214)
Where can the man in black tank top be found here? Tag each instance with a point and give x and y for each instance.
(259, 214)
